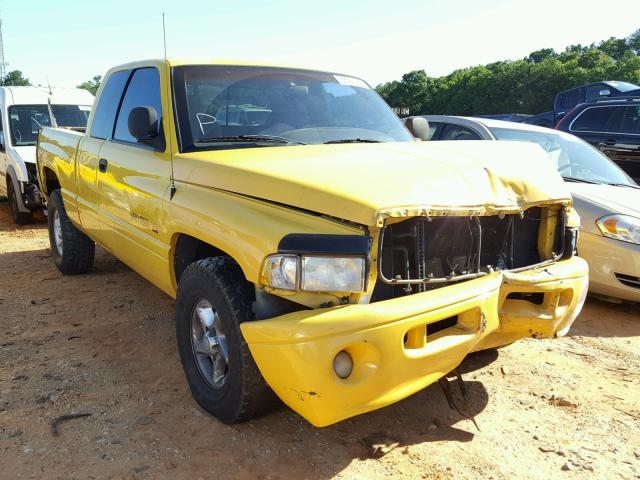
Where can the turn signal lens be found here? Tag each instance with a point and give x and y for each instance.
(620, 227)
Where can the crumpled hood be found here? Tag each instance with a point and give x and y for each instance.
(366, 183)
(623, 200)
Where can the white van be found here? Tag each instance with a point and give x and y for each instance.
(23, 111)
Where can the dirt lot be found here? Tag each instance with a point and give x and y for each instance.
(104, 344)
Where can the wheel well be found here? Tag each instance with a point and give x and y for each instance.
(189, 249)
(51, 180)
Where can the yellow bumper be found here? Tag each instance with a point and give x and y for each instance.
(393, 355)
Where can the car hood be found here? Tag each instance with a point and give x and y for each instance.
(366, 183)
(594, 201)
(26, 153)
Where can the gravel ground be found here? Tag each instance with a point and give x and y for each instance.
(103, 344)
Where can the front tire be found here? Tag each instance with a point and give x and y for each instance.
(73, 252)
(213, 300)
(20, 218)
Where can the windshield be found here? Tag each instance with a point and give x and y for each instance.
(234, 107)
(623, 86)
(26, 120)
(574, 159)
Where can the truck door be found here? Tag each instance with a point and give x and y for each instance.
(101, 128)
(132, 181)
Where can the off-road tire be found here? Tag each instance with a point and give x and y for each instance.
(20, 218)
(78, 250)
(244, 394)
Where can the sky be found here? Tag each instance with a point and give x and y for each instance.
(70, 41)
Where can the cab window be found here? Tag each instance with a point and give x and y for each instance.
(105, 114)
(570, 99)
(143, 91)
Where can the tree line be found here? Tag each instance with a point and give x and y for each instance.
(528, 85)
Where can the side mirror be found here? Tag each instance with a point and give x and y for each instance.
(144, 127)
(2, 141)
(418, 126)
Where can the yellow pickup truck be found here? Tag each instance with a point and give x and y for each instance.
(318, 252)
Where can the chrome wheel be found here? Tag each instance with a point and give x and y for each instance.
(209, 344)
(57, 231)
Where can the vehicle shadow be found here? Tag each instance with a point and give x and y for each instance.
(605, 319)
(7, 224)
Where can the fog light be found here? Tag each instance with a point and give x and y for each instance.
(343, 364)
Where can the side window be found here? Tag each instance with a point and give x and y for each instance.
(631, 120)
(457, 132)
(105, 114)
(570, 99)
(598, 119)
(143, 91)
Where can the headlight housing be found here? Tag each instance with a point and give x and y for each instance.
(620, 227)
(314, 273)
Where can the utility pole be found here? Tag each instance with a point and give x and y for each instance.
(2, 63)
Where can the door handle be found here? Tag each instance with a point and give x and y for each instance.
(609, 142)
(103, 164)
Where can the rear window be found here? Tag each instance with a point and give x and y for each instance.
(105, 114)
(599, 119)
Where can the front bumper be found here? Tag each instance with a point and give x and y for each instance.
(393, 356)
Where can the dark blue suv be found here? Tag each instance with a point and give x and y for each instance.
(612, 126)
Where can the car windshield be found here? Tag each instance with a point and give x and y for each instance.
(623, 86)
(235, 107)
(574, 159)
(26, 120)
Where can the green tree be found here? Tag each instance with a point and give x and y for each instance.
(15, 78)
(521, 86)
(542, 54)
(92, 85)
(633, 42)
(614, 47)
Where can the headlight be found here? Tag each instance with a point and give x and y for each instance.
(314, 273)
(620, 227)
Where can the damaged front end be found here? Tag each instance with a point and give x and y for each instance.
(423, 253)
(440, 286)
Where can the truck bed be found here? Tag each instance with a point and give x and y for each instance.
(57, 145)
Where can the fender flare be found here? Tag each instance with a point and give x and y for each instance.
(11, 175)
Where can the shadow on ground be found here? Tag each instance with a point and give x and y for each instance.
(606, 320)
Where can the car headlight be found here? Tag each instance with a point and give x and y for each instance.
(620, 227)
(313, 273)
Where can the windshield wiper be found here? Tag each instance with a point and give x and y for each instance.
(579, 180)
(624, 185)
(251, 138)
(353, 140)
